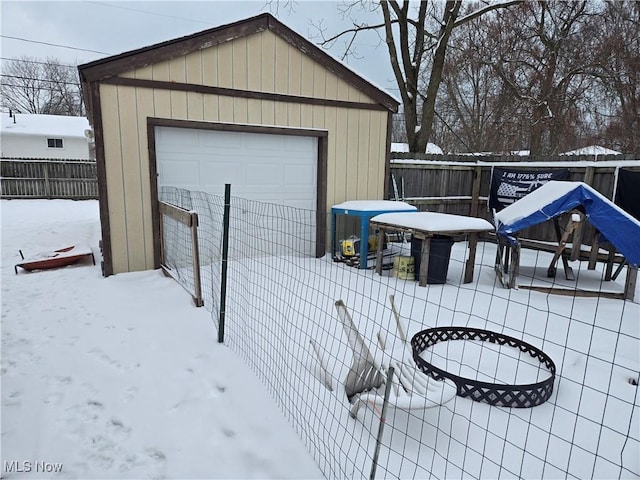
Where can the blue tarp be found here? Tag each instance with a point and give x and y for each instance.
(555, 198)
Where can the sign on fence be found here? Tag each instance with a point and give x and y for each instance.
(508, 186)
(628, 192)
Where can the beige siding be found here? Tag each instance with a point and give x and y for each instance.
(225, 65)
(254, 62)
(115, 179)
(281, 61)
(132, 176)
(210, 67)
(356, 140)
(195, 103)
(306, 76)
(145, 108)
(268, 54)
(351, 158)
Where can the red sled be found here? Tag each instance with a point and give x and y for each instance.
(55, 259)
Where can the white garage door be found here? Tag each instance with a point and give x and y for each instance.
(279, 169)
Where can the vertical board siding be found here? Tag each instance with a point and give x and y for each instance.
(115, 178)
(306, 116)
(177, 73)
(253, 69)
(340, 154)
(145, 109)
(307, 70)
(209, 66)
(382, 172)
(281, 65)
(264, 62)
(268, 64)
(195, 101)
(161, 71)
(350, 157)
(240, 110)
(294, 114)
(319, 91)
(294, 86)
(254, 111)
(331, 124)
(225, 65)
(145, 73)
(268, 112)
(193, 66)
(281, 114)
(364, 154)
(240, 68)
(133, 176)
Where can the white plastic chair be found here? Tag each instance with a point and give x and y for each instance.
(365, 381)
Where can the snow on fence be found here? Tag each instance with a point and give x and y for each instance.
(281, 319)
(33, 178)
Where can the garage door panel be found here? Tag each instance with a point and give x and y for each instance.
(257, 176)
(299, 175)
(272, 168)
(221, 141)
(297, 144)
(177, 137)
(220, 174)
(266, 143)
(182, 172)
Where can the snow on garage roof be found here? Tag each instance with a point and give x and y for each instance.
(35, 124)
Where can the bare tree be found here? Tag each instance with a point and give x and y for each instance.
(618, 69)
(543, 52)
(475, 111)
(30, 85)
(417, 36)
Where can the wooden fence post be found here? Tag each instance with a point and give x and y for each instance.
(475, 192)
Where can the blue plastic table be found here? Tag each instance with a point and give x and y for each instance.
(365, 209)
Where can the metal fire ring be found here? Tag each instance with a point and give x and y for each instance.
(501, 395)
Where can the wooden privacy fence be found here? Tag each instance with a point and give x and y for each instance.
(33, 178)
(459, 184)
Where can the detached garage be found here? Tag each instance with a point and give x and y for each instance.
(251, 103)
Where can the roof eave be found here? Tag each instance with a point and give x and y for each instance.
(114, 65)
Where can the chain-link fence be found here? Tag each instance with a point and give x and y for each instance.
(281, 317)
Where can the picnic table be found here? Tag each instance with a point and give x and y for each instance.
(424, 226)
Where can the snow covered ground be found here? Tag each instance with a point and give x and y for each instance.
(122, 377)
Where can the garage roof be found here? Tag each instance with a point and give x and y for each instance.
(112, 66)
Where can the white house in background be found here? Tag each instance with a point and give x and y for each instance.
(592, 150)
(43, 136)
(404, 147)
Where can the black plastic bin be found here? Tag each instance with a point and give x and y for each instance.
(439, 255)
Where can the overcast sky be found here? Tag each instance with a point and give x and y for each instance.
(112, 27)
